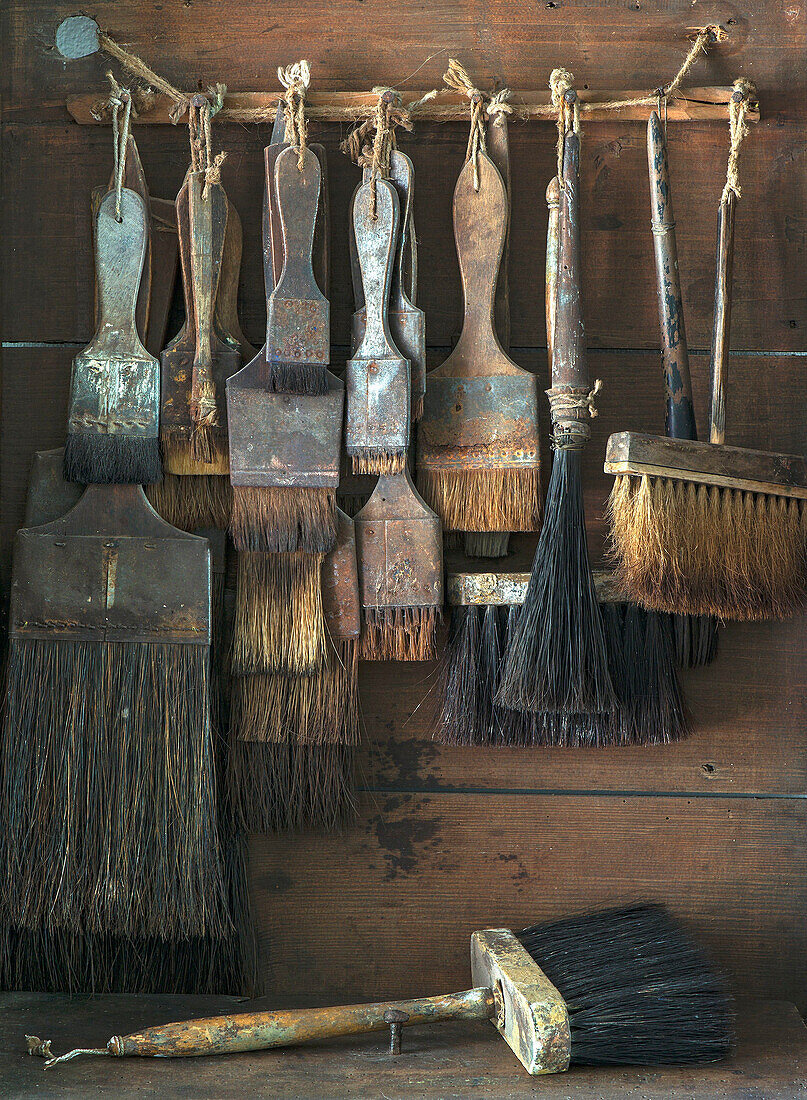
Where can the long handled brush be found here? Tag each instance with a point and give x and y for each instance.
(621, 987)
(704, 528)
(695, 636)
(557, 662)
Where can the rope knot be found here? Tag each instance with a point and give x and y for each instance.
(296, 80)
(383, 120)
(498, 104)
(458, 80)
(743, 98)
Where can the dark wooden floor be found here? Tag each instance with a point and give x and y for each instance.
(452, 1061)
(447, 839)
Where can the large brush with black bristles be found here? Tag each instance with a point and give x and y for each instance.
(622, 987)
(556, 662)
(705, 528)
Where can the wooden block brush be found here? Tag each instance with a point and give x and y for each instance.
(557, 662)
(621, 987)
(705, 528)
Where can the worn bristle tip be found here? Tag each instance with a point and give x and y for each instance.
(287, 787)
(505, 499)
(378, 463)
(193, 501)
(557, 661)
(283, 520)
(121, 732)
(183, 448)
(300, 378)
(400, 633)
(697, 549)
(637, 989)
(279, 625)
(487, 544)
(101, 459)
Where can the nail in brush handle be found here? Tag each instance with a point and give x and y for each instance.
(569, 367)
(680, 413)
(722, 317)
(207, 210)
(552, 245)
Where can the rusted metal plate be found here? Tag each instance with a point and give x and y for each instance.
(111, 570)
(341, 603)
(481, 409)
(511, 588)
(377, 376)
(283, 439)
(298, 316)
(115, 382)
(49, 495)
(400, 547)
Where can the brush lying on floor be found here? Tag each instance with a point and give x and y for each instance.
(702, 528)
(485, 607)
(621, 987)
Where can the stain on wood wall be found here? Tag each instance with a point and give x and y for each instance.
(451, 839)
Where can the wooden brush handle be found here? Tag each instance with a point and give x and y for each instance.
(267, 1030)
(207, 209)
(297, 193)
(498, 147)
(120, 252)
(553, 207)
(184, 238)
(680, 413)
(480, 228)
(722, 317)
(569, 368)
(402, 177)
(376, 240)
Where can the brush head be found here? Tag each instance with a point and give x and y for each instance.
(708, 550)
(193, 501)
(94, 458)
(638, 990)
(281, 520)
(696, 639)
(557, 661)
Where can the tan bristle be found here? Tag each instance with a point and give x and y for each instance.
(400, 633)
(281, 520)
(505, 499)
(195, 500)
(698, 549)
(321, 709)
(377, 462)
(279, 625)
(183, 449)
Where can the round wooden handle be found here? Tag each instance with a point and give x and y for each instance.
(569, 368)
(722, 317)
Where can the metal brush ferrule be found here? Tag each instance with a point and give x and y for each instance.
(570, 408)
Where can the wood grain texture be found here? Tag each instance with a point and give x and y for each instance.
(46, 296)
(452, 1061)
(419, 873)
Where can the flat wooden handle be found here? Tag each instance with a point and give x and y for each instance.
(480, 228)
(402, 178)
(184, 239)
(552, 247)
(569, 368)
(721, 326)
(297, 194)
(498, 148)
(376, 239)
(680, 413)
(267, 1030)
(120, 252)
(207, 211)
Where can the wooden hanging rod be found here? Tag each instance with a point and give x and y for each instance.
(689, 105)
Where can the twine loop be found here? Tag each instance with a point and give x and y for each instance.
(569, 406)
(296, 80)
(119, 99)
(566, 103)
(456, 78)
(384, 119)
(201, 109)
(742, 99)
(498, 103)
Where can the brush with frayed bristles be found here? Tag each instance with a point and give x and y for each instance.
(400, 559)
(486, 544)
(111, 436)
(556, 662)
(623, 986)
(705, 528)
(478, 463)
(279, 625)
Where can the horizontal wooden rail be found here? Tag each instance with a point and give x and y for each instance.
(688, 105)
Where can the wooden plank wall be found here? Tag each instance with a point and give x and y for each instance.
(448, 839)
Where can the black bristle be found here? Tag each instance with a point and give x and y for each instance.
(557, 660)
(657, 708)
(459, 721)
(95, 458)
(304, 378)
(638, 990)
(695, 640)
